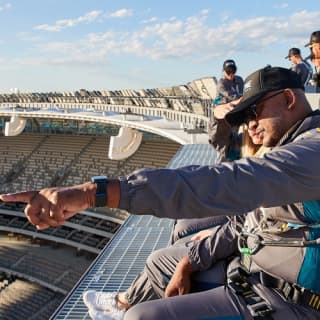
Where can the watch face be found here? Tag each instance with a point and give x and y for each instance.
(98, 178)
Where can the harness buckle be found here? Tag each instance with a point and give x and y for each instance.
(238, 275)
(260, 309)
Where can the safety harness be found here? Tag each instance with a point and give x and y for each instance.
(259, 242)
(259, 308)
(291, 292)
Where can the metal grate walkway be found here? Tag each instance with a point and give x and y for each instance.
(124, 256)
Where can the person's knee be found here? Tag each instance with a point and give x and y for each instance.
(143, 311)
(134, 313)
(154, 257)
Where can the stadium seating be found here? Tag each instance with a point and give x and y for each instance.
(34, 160)
(49, 269)
(26, 300)
(176, 98)
(43, 161)
(15, 151)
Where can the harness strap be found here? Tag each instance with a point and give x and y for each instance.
(258, 307)
(292, 292)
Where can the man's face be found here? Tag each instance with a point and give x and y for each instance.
(293, 59)
(270, 123)
(229, 76)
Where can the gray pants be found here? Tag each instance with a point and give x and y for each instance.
(147, 291)
(218, 303)
(159, 268)
(161, 264)
(186, 227)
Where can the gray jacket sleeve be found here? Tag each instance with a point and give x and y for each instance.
(287, 174)
(222, 244)
(225, 139)
(219, 134)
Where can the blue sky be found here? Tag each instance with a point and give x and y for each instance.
(65, 45)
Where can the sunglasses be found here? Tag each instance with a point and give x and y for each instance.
(251, 111)
(315, 44)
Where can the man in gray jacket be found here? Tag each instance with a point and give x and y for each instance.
(230, 86)
(278, 276)
(300, 66)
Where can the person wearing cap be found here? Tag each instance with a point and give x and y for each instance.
(278, 275)
(300, 66)
(230, 86)
(314, 45)
(230, 145)
(229, 91)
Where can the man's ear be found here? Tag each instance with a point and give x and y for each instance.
(290, 97)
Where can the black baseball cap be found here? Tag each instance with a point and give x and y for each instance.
(293, 52)
(229, 66)
(260, 83)
(314, 38)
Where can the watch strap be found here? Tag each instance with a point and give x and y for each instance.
(101, 191)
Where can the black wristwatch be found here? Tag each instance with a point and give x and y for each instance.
(101, 192)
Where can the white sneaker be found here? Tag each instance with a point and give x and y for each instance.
(105, 315)
(101, 301)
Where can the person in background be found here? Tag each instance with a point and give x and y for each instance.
(314, 45)
(232, 143)
(230, 86)
(300, 66)
(229, 93)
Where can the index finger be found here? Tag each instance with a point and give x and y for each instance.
(25, 196)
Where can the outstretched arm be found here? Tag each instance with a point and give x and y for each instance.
(285, 175)
(51, 207)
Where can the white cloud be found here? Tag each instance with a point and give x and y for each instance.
(205, 12)
(46, 27)
(225, 16)
(5, 6)
(150, 20)
(90, 16)
(69, 23)
(122, 13)
(189, 39)
(281, 6)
